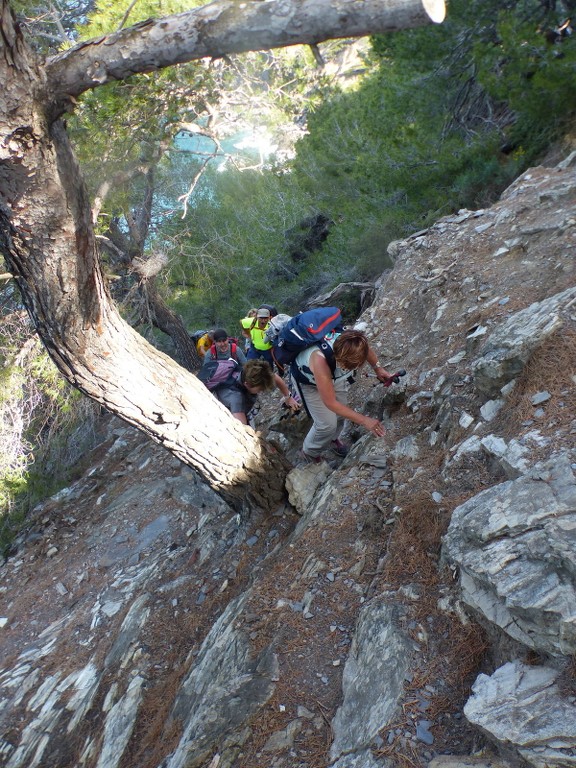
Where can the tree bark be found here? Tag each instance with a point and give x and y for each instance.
(171, 324)
(223, 27)
(48, 242)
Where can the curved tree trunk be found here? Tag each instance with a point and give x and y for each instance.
(227, 26)
(48, 242)
(47, 238)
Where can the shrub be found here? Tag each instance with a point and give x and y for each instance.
(45, 425)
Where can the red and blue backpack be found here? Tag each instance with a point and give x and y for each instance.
(306, 330)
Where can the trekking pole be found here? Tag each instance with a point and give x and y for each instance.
(393, 379)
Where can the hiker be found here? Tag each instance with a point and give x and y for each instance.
(259, 348)
(203, 341)
(223, 348)
(271, 307)
(325, 394)
(256, 376)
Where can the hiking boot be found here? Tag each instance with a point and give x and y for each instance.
(339, 448)
(305, 459)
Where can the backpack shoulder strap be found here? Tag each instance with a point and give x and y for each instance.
(328, 353)
(233, 350)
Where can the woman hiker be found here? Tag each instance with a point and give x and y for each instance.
(256, 376)
(325, 393)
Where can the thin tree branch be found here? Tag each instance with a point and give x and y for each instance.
(128, 11)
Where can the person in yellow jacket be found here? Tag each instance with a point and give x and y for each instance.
(257, 326)
(203, 343)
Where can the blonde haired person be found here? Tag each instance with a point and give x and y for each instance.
(325, 393)
(257, 376)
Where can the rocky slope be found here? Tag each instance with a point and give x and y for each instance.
(411, 604)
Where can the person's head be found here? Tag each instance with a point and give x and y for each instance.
(351, 349)
(263, 317)
(220, 337)
(271, 308)
(257, 376)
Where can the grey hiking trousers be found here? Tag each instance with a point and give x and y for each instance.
(327, 425)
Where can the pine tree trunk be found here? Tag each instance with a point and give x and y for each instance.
(46, 233)
(171, 324)
(48, 243)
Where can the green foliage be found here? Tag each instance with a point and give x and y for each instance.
(420, 137)
(228, 250)
(44, 426)
(109, 15)
(446, 117)
(50, 26)
(536, 80)
(124, 130)
(424, 133)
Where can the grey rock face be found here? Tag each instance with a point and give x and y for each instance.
(224, 687)
(509, 347)
(465, 761)
(364, 759)
(355, 297)
(515, 546)
(510, 456)
(522, 707)
(372, 680)
(303, 482)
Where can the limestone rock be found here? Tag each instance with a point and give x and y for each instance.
(466, 761)
(223, 688)
(515, 546)
(303, 482)
(522, 707)
(372, 682)
(509, 347)
(353, 298)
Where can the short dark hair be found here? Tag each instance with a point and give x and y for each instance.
(220, 335)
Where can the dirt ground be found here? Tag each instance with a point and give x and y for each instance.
(383, 537)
